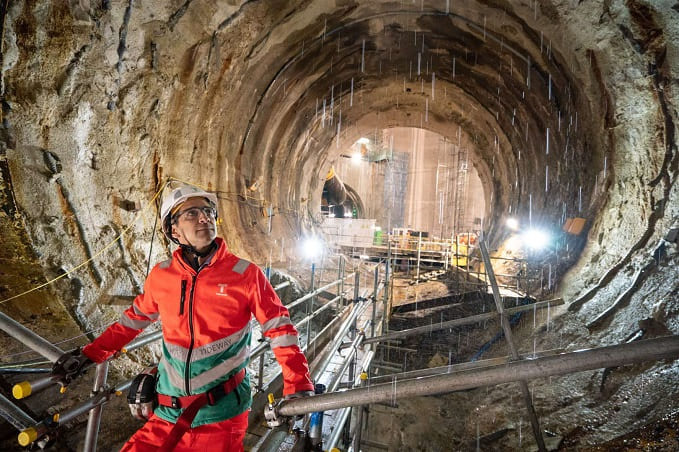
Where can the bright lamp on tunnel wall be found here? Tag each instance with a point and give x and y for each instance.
(363, 140)
(535, 239)
(512, 223)
(312, 247)
(356, 158)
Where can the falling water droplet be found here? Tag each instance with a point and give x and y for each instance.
(433, 85)
(351, 95)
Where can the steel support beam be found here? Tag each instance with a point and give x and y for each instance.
(564, 363)
(507, 330)
(29, 338)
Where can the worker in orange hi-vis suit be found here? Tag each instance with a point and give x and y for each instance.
(205, 297)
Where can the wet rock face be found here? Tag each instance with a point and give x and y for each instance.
(568, 109)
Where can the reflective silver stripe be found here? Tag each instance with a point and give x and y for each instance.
(142, 313)
(275, 323)
(165, 264)
(219, 370)
(177, 351)
(175, 377)
(284, 340)
(205, 351)
(134, 324)
(207, 377)
(241, 266)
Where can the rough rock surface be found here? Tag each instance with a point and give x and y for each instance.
(569, 108)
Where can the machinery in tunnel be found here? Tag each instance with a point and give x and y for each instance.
(565, 112)
(340, 200)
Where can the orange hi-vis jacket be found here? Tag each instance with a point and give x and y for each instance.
(205, 318)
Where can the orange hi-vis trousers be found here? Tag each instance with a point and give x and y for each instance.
(224, 436)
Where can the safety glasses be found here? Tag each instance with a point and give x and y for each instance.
(192, 213)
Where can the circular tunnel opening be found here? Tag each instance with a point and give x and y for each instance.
(405, 178)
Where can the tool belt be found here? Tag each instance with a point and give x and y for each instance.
(192, 403)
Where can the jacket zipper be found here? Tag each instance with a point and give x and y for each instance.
(183, 297)
(187, 369)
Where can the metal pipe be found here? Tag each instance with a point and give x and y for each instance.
(357, 285)
(352, 330)
(25, 370)
(281, 285)
(29, 338)
(327, 327)
(301, 300)
(463, 321)
(376, 282)
(457, 367)
(94, 418)
(564, 363)
(344, 412)
(313, 315)
(419, 255)
(142, 341)
(507, 330)
(341, 278)
(338, 426)
(385, 308)
(260, 376)
(14, 415)
(24, 389)
(359, 418)
(310, 309)
(357, 310)
(337, 377)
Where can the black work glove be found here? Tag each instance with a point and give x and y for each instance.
(71, 365)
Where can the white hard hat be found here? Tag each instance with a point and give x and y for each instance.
(178, 196)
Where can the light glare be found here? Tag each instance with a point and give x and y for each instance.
(312, 247)
(536, 239)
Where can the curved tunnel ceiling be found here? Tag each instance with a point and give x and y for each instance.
(391, 66)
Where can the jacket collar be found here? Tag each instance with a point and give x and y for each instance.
(220, 253)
